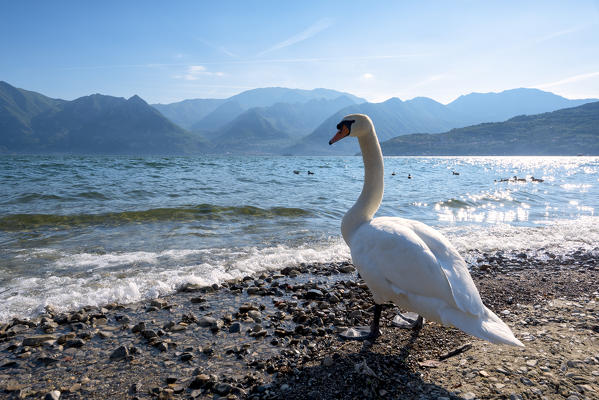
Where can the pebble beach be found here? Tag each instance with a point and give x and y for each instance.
(275, 335)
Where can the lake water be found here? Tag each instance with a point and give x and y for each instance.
(88, 230)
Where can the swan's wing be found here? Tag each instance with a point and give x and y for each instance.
(453, 265)
(395, 261)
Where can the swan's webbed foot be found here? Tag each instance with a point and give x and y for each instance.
(364, 332)
(408, 320)
(360, 333)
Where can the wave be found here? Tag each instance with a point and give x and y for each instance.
(31, 197)
(128, 277)
(17, 222)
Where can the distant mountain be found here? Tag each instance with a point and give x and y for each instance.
(496, 107)
(90, 124)
(391, 118)
(18, 107)
(250, 133)
(395, 117)
(263, 97)
(569, 131)
(187, 112)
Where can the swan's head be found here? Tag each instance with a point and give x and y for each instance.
(352, 125)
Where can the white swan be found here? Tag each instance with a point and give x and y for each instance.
(407, 262)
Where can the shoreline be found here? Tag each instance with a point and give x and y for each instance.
(274, 335)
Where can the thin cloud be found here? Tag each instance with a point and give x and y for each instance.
(571, 79)
(221, 49)
(195, 72)
(300, 37)
(560, 33)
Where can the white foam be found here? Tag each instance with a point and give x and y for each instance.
(558, 237)
(167, 271)
(97, 279)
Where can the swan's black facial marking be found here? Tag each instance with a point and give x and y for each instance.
(345, 123)
(343, 130)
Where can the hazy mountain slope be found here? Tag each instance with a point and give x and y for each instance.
(17, 108)
(263, 97)
(494, 107)
(391, 118)
(569, 131)
(250, 133)
(188, 112)
(90, 124)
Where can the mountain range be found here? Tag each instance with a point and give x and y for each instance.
(569, 131)
(258, 121)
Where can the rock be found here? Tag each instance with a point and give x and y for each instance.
(197, 300)
(253, 290)
(244, 308)
(469, 396)
(199, 381)
(207, 321)
(222, 389)
(186, 356)
(120, 353)
(53, 395)
(37, 340)
(139, 327)
(526, 381)
(76, 343)
(158, 303)
(235, 327)
(531, 363)
(149, 334)
(255, 315)
(171, 379)
(333, 299)
(313, 294)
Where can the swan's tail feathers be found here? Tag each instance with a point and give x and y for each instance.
(488, 327)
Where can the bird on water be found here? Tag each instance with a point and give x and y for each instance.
(407, 262)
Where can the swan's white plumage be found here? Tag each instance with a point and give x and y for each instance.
(409, 263)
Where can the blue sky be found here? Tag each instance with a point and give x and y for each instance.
(170, 51)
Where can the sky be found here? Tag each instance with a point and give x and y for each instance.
(171, 51)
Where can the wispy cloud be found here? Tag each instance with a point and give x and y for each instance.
(430, 79)
(221, 49)
(557, 34)
(571, 79)
(309, 32)
(367, 76)
(195, 72)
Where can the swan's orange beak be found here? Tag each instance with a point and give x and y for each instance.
(341, 133)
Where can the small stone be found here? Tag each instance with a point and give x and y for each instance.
(120, 353)
(235, 327)
(222, 389)
(171, 379)
(149, 334)
(327, 361)
(199, 381)
(255, 315)
(313, 294)
(37, 340)
(207, 321)
(186, 356)
(526, 381)
(515, 396)
(197, 300)
(469, 396)
(531, 363)
(483, 373)
(76, 343)
(53, 395)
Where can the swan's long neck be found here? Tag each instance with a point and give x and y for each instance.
(372, 191)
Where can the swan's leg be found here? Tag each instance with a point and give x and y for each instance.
(364, 332)
(408, 321)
